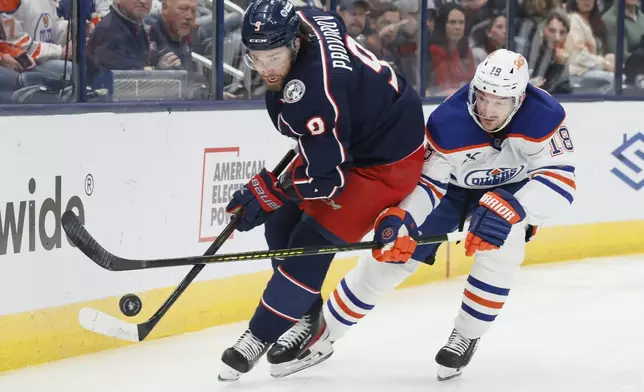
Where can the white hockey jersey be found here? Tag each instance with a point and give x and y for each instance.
(36, 29)
(536, 145)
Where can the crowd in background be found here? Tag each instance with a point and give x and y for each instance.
(570, 45)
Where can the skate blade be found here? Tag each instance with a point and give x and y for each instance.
(445, 373)
(280, 370)
(228, 374)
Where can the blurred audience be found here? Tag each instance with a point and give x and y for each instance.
(634, 68)
(121, 41)
(478, 11)
(589, 64)
(569, 47)
(548, 60)
(531, 14)
(633, 27)
(487, 37)
(36, 29)
(379, 38)
(452, 60)
(354, 14)
(174, 31)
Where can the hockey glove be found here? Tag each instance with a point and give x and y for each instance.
(492, 221)
(393, 229)
(258, 199)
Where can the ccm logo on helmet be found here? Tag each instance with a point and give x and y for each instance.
(258, 40)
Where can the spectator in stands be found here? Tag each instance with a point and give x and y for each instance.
(432, 12)
(393, 38)
(634, 68)
(478, 11)
(633, 27)
(548, 60)
(96, 8)
(18, 69)
(589, 65)
(378, 40)
(531, 14)
(121, 41)
(354, 14)
(9, 71)
(174, 30)
(36, 29)
(452, 60)
(487, 37)
(405, 46)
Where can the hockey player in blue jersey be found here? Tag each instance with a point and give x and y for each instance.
(360, 131)
(500, 154)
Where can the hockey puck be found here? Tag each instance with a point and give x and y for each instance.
(130, 305)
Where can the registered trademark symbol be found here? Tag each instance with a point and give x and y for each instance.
(89, 184)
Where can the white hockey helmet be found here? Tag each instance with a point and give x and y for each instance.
(503, 73)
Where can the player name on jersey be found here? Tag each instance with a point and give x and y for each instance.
(334, 41)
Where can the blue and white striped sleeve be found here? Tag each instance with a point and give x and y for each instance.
(552, 185)
(431, 187)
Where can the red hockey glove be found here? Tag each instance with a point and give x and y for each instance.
(258, 198)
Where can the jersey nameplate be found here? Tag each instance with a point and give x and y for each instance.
(334, 41)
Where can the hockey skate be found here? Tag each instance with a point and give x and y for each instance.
(455, 355)
(242, 356)
(304, 345)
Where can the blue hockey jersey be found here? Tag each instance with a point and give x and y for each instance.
(536, 146)
(345, 108)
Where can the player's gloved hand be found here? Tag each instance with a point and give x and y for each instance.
(258, 199)
(393, 229)
(492, 221)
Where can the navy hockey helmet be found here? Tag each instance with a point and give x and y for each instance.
(270, 24)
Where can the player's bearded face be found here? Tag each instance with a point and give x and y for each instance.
(493, 110)
(272, 65)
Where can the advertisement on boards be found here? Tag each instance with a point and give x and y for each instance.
(225, 171)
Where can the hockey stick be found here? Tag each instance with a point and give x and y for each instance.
(103, 323)
(111, 262)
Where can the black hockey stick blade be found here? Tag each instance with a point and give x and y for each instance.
(84, 241)
(79, 236)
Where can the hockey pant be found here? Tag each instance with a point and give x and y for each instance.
(294, 288)
(486, 289)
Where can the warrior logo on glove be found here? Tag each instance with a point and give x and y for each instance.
(492, 221)
(498, 205)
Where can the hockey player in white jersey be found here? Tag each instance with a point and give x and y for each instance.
(499, 153)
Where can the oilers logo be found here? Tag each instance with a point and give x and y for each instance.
(44, 28)
(492, 177)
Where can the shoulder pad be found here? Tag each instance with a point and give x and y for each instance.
(538, 118)
(451, 129)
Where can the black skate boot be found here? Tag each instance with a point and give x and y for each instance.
(304, 345)
(455, 355)
(242, 356)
